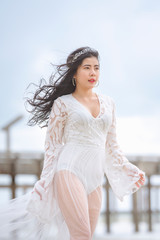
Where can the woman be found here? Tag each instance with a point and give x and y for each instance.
(80, 147)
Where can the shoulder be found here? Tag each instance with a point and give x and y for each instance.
(107, 99)
(62, 102)
(59, 104)
(63, 98)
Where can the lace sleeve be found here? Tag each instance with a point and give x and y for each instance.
(122, 175)
(42, 192)
(54, 139)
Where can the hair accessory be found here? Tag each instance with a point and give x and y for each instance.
(82, 52)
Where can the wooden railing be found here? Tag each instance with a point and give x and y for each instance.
(31, 164)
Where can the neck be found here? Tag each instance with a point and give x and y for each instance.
(83, 92)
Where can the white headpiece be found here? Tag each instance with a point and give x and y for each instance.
(82, 52)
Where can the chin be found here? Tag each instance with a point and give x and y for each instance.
(90, 87)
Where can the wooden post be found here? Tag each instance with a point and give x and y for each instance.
(135, 212)
(13, 173)
(149, 205)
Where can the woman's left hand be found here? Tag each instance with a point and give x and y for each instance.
(141, 181)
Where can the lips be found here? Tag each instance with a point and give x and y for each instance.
(92, 80)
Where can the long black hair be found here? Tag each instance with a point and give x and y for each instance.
(43, 98)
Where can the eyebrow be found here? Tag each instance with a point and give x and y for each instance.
(90, 65)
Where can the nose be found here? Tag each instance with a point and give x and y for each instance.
(93, 72)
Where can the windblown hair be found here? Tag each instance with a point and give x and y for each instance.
(45, 94)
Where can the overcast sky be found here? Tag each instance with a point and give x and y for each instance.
(127, 36)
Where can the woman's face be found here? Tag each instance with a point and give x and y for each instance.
(87, 73)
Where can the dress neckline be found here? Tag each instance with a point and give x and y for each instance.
(82, 105)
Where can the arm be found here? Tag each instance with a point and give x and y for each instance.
(124, 177)
(53, 140)
(43, 190)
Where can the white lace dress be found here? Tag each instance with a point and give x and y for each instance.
(83, 145)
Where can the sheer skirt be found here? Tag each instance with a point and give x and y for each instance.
(75, 217)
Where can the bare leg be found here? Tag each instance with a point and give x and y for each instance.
(72, 200)
(94, 204)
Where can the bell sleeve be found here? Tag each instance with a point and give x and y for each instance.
(121, 174)
(42, 197)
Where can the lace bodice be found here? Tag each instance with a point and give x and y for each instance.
(81, 127)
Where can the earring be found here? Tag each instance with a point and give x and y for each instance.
(74, 81)
(97, 84)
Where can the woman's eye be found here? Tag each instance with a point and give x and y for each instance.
(89, 68)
